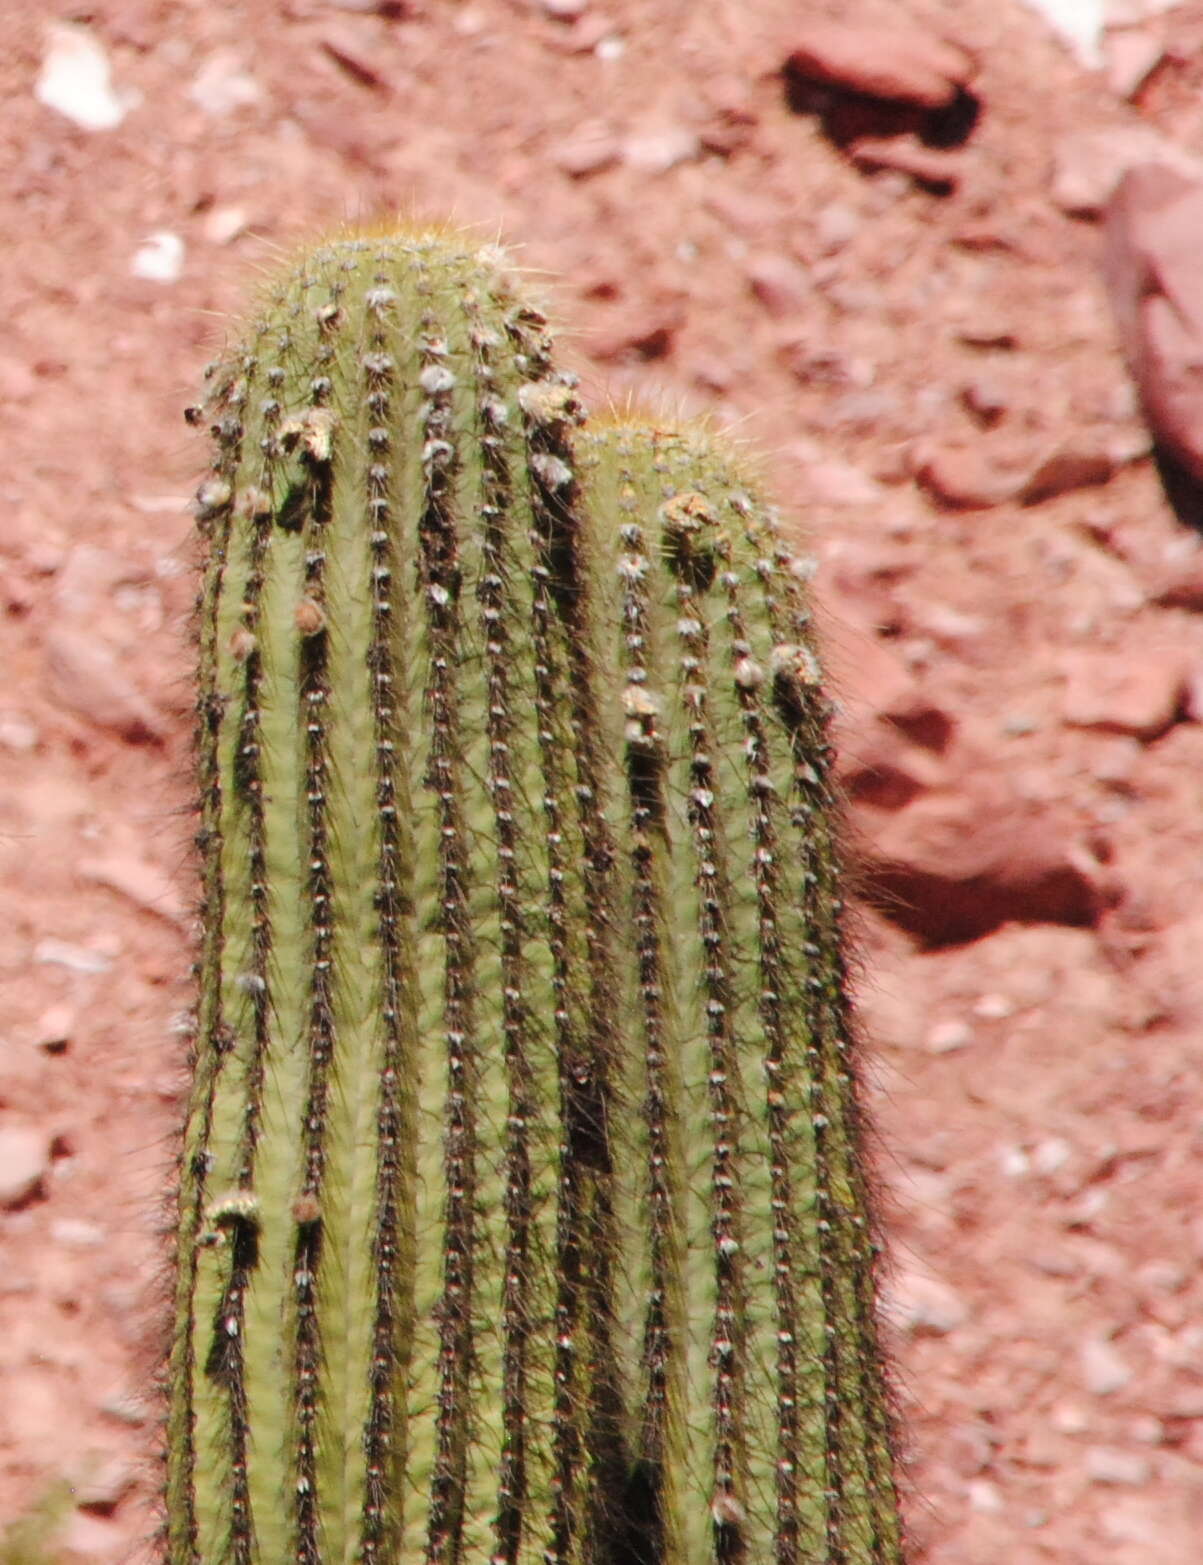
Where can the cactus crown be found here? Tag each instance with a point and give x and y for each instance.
(522, 1211)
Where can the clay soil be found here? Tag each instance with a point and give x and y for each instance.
(1020, 732)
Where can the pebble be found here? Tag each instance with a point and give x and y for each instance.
(1069, 467)
(993, 1007)
(902, 64)
(986, 400)
(345, 51)
(141, 882)
(948, 1037)
(1150, 265)
(1111, 1465)
(932, 167)
(103, 1490)
(834, 482)
(24, 1164)
(18, 733)
(86, 678)
(76, 79)
(223, 224)
(780, 285)
(923, 1305)
(1132, 56)
(984, 1496)
(963, 479)
(76, 1234)
(1051, 1154)
(592, 149)
(88, 1539)
(77, 959)
(1104, 1370)
(657, 151)
(1139, 695)
(159, 258)
(53, 1029)
(223, 84)
(1089, 164)
(957, 863)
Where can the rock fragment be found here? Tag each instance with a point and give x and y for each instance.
(76, 79)
(924, 1305)
(24, 1164)
(932, 167)
(1112, 1465)
(902, 64)
(956, 864)
(1140, 696)
(589, 150)
(1104, 1370)
(1088, 165)
(778, 283)
(86, 679)
(1073, 465)
(962, 478)
(1153, 238)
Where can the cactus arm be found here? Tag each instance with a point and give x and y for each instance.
(805, 1471)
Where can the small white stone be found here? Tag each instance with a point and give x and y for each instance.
(24, 1163)
(1051, 1154)
(76, 79)
(1109, 1465)
(984, 1496)
(947, 1037)
(159, 258)
(1103, 1370)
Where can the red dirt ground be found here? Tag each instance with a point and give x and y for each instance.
(1022, 727)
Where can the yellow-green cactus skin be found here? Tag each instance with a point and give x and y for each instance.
(523, 1213)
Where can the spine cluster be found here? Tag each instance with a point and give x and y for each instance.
(523, 1216)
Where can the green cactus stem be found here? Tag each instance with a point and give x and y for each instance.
(762, 1389)
(522, 1211)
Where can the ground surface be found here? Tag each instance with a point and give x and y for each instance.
(1021, 735)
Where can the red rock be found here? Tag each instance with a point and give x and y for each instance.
(1132, 56)
(1089, 165)
(986, 400)
(656, 151)
(142, 882)
(832, 482)
(903, 64)
(592, 149)
(24, 1163)
(922, 1304)
(1122, 694)
(348, 54)
(87, 679)
(964, 479)
(1154, 234)
(932, 167)
(872, 686)
(780, 285)
(1069, 467)
(954, 865)
(638, 335)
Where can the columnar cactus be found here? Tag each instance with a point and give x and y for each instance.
(523, 1212)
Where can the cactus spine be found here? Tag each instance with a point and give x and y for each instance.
(522, 1209)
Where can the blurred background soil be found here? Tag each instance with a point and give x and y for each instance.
(907, 317)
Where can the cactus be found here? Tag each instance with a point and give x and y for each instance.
(522, 1206)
